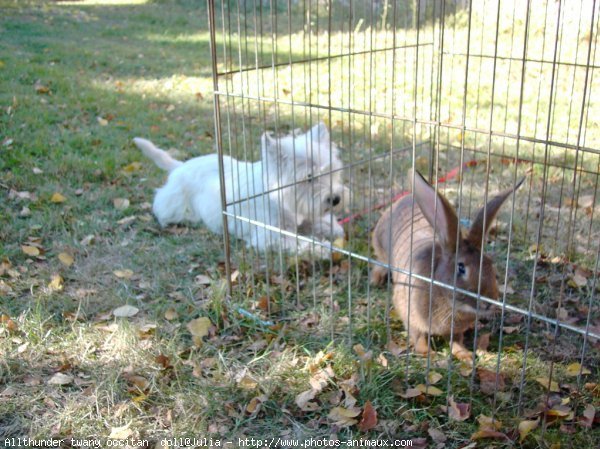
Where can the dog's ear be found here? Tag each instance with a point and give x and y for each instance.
(320, 133)
(267, 141)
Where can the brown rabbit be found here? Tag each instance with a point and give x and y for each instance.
(411, 295)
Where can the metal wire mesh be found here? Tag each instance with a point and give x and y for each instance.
(474, 95)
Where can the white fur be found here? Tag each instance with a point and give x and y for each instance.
(295, 183)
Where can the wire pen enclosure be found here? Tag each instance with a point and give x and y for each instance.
(474, 96)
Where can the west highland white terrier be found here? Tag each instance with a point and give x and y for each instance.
(294, 186)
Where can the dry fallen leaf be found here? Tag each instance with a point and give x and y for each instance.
(368, 419)
(255, 404)
(363, 355)
(30, 250)
(343, 417)
(437, 435)
(456, 410)
(199, 327)
(245, 381)
(66, 259)
(486, 422)
(589, 414)
(434, 377)
(171, 314)
(120, 433)
(304, 400)
(202, 279)
(139, 382)
(489, 383)
(123, 274)
(321, 378)
(133, 167)
(60, 379)
(125, 311)
(574, 368)
(88, 240)
(56, 283)
(411, 393)
(121, 203)
(429, 390)
(488, 433)
(545, 382)
(57, 198)
(527, 426)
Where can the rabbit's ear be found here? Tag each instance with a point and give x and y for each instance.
(477, 231)
(444, 219)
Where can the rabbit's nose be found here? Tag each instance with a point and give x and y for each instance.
(333, 200)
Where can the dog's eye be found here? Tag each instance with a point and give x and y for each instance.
(461, 268)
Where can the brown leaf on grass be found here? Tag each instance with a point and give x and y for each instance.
(456, 410)
(321, 378)
(488, 434)
(202, 279)
(429, 390)
(60, 379)
(163, 361)
(343, 417)
(486, 422)
(382, 360)
(411, 393)
(137, 382)
(66, 259)
(125, 311)
(437, 435)
(30, 250)
(123, 274)
(321, 357)
(245, 381)
(41, 89)
(255, 404)
(363, 355)
(368, 419)
(395, 348)
(121, 203)
(489, 383)
(133, 167)
(527, 426)
(559, 411)
(10, 325)
(588, 416)
(574, 368)
(434, 377)
(56, 283)
(171, 314)
(545, 382)
(304, 400)
(57, 198)
(199, 327)
(121, 433)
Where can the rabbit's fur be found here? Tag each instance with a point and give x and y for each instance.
(415, 214)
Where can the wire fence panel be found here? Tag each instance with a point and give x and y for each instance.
(327, 110)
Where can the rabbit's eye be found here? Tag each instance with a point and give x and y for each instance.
(461, 268)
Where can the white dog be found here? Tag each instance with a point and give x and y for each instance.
(294, 186)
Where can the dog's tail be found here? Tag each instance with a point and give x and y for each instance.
(160, 157)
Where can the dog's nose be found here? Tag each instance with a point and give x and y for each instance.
(334, 200)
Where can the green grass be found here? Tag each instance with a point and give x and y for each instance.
(78, 80)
